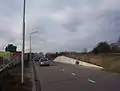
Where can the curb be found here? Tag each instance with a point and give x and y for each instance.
(33, 76)
(37, 82)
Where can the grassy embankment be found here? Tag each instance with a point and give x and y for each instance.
(111, 62)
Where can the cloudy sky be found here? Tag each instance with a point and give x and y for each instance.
(62, 25)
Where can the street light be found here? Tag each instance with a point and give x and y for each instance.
(30, 41)
(23, 45)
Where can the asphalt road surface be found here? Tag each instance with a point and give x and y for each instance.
(66, 77)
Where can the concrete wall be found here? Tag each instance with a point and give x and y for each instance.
(68, 60)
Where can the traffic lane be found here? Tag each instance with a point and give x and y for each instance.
(54, 79)
(101, 78)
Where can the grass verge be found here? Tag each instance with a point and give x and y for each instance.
(110, 62)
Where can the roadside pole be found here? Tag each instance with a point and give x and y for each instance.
(31, 41)
(30, 47)
(23, 45)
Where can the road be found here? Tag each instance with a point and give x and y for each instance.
(66, 77)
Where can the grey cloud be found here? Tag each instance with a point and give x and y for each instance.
(11, 7)
(60, 4)
(73, 24)
(62, 24)
(109, 31)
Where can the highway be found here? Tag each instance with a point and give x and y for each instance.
(66, 77)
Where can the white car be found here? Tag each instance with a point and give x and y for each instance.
(44, 62)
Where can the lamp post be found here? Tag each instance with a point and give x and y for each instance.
(30, 47)
(31, 41)
(23, 45)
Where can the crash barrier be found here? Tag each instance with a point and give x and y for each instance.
(5, 75)
(15, 60)
(68, 60)
(4, 72)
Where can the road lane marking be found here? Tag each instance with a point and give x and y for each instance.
(63, 69)
(73, 74)
(91, 81)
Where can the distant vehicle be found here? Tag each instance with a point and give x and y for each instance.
(36, 60)
(44, 62)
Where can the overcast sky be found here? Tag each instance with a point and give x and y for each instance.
(62, 25)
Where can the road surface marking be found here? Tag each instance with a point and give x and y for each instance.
(115, 74)
(91, 81)
(63, 69)
(73, 74)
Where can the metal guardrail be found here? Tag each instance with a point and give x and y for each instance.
(9, 64)
(6, 66)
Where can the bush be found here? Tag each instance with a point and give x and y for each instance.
(102, 47)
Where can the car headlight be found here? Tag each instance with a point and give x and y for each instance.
(42, 63)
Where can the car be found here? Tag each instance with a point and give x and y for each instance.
(36, 60)
(44, 62)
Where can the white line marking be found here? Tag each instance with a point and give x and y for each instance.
(63, 70)
(73, 74)
(91, 81)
